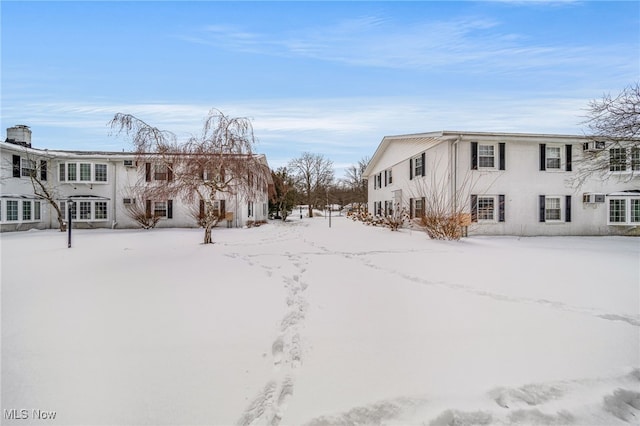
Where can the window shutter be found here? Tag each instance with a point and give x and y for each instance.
(568, 158)
(543, 156)
(16, 166)
(170, 172)
(567, 208)
(474, 155)
(424, 164)
(43, 170)
(148, 207)
(411, 207)
(502, 150)
(375, 183)
(385, 178)
(410, 168)
(474, 207)
(501, 208)
(541, 202)
(170, 209)
(147, 172)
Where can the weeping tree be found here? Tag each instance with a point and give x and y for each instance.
(220, 160)
(613, 129)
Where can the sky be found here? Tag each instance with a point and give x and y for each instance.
(331, 78)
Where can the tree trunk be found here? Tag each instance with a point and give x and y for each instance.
(63, 226)
(310, 210)
(207, 235)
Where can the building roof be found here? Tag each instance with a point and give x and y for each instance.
(437, 137)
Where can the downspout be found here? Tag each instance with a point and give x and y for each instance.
(454, 169)
(114, 221)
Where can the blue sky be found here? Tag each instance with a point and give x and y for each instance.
(325, 77)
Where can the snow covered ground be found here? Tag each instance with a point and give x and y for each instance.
(298, 323)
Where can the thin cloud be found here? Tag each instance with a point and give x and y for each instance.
(371, 41)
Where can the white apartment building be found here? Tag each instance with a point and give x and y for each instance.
(508, 183)
(99, 183)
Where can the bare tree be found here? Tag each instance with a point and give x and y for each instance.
(443, 215)
(283, 196)
(613, 130)
(313, 174)
(355, 181)
(219, 160)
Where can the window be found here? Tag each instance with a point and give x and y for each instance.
(36, 210)
(417, 207)
(85, 172)
(101, 210)
(617, 159)
(553, 157)
(100, 173)
(617, 211)
(12, 210)
(486, 156)
(250, 209)
(486, 208)
(635, 159)
(27, 167)
(71, 172)
(26, 210)
(624, 211)
(160, 172)
(62, 176)
(418, 166)
(635, 210)
(552, 209)
(85, 210)
(160, 208)
(388, 178)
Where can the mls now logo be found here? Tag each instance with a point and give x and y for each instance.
(23, 414)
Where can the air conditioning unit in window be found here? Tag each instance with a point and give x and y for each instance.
(128, 201)
(593, 146)
(128, 163)
(592, 198)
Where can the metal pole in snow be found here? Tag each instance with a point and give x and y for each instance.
(69, 222)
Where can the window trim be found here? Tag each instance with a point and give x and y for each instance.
(628, 202)
(66, 168)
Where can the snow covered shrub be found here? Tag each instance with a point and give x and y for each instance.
(396, 218)
(440, 226)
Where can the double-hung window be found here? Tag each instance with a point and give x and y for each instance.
(618, 159)
(26, 210)
(486, 156)
(85, 172)
(27, 167)
(486, 208)
(418, 166)
(555, 208)
(82, 172)
(160, 209)
(553, 157)
(100, 173)
(552, 209)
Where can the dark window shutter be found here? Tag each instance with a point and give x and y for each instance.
(424, 164)
(501, 208)
(410, 168)
(411, 207)
(170, 172)
(474, 155)
(170, 209)
(541, 202)
(148, 208)
(385, 178)
(502, 151)
(568, 157)
(16, 166)
(375, 183)
(567, 208)
(474, 207)
(43, 170)
(543, 156)
(147, 172)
